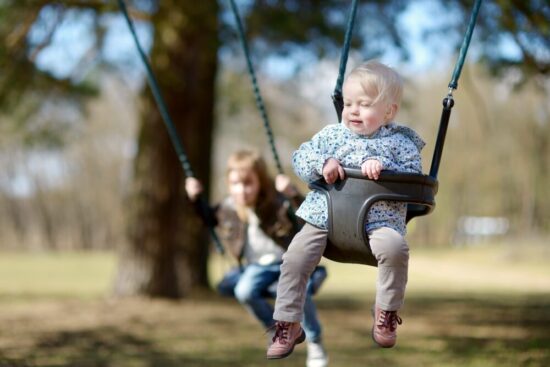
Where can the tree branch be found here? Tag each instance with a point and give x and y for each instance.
(15, 38)
(48, 38)
(103, 7)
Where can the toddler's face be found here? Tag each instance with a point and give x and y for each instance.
(360, 115)
(244, 186)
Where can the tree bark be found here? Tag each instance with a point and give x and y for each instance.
(166, 252)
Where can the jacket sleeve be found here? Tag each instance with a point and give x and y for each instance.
(403, 156)
(206, 213)
(408, 157)
(309, 159)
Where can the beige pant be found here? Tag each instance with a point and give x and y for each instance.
(305, 252)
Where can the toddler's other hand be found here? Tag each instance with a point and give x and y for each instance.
(371, 168)
(332, 171)
(193, 187)
(284, 186)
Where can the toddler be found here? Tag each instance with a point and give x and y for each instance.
(367, 139)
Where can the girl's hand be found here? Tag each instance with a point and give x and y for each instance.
(332, 171)
(371, 168)
(284, 186)
(193, 187)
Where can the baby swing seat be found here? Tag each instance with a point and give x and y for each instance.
(349, 201)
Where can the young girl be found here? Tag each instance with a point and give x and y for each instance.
(366, 139)
(256, 225)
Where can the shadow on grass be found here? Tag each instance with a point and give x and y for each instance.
(461, 331)
(499, 331)
(104, 347)
(530, 312)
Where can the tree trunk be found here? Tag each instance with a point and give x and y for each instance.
(166, 252)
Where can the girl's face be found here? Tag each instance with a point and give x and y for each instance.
(244, 186)
(361, 115)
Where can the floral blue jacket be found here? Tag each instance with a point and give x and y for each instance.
(396, 147)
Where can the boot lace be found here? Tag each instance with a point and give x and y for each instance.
(389, 320)
(281, 331)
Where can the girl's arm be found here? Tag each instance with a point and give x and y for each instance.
(285, 187)
(194, 189)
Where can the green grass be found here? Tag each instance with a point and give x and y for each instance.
(56, 275)
(484, 306)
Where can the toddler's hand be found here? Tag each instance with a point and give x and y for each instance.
(371, 168)
(332, 171)
(284, 186)
(193, 187)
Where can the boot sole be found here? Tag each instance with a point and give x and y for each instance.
(298, 340)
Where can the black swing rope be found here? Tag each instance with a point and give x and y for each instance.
(337, 97)
(448, 101)
(259, 100)
(258, 96)
(202, 204)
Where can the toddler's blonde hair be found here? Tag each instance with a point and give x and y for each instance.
(379, 80)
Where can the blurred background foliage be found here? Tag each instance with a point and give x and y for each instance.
(71, 90)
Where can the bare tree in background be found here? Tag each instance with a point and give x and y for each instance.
(165, 255)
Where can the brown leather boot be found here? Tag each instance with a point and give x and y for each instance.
(287, 335)
(384, 330)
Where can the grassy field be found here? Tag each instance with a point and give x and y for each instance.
(481, 306)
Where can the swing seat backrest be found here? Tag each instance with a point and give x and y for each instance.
(349, 201)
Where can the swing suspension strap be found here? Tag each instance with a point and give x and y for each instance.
(260, 103)
(448, 101)
(337, 98)
(258, 96)
(453, 84)
(204, 209)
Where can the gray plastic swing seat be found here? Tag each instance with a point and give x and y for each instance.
(349, 201)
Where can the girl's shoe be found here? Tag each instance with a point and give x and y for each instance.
(316, 355)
